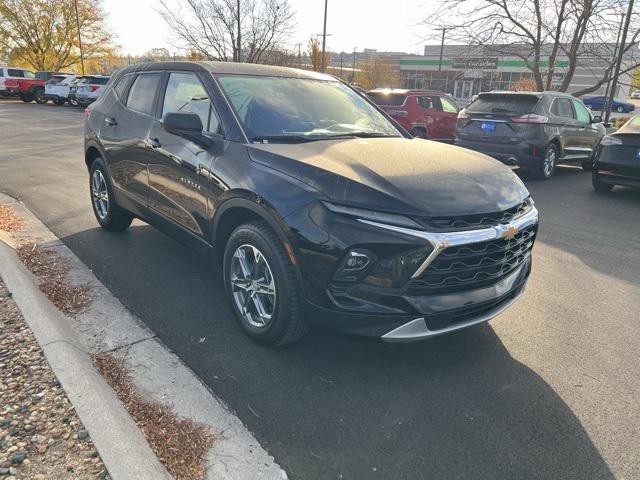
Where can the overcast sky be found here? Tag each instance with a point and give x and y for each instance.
(379, 24)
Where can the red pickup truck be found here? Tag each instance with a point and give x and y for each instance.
(30, 89)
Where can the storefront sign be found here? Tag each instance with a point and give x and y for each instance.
(475, 63)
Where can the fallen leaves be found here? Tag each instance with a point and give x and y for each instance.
(9, 221)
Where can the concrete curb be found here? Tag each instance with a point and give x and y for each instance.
(121, 445)
(158, 373)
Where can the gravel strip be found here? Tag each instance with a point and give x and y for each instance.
(41, 437)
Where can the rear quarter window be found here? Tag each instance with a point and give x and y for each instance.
(506, 104)
(387, 99)
(15, 73)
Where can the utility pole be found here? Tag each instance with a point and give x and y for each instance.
(615, 53)
(341, 64)
(79, 37)
(623, 40)
(353, 74)
(324, 39)
(239, 41)
(441, 49)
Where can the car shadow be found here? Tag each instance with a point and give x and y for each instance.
(333, 406)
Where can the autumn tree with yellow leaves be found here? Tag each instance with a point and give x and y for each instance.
(43, 34)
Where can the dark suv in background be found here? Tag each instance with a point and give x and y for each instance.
(533, 130)
(320, 210)
(423, 113)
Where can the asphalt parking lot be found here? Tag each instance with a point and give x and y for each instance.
(548, 390)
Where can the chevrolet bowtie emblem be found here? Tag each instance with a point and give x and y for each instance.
(510, 232)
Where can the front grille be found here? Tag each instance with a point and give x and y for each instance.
(466, 222)
(474, 266)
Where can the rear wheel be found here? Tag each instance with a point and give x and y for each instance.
(109, 214)
(261, 285)
(59, 101)
(600, 186)
(26, 98)
(419, 132)
(547, 166)
(587, 165)
(620, 109)
(39, 97)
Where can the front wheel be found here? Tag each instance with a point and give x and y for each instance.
(73, 102)
(108, 213)
(261, 285)
(419, 132)
(39, 97)
(620, 109)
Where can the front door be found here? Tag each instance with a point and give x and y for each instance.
(179, 186)
(449, 118)
(587, 132)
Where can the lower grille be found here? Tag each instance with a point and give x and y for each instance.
(474, 266)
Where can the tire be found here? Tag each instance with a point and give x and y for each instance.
(60, 101)
(548, 163)
(284, 323)
(586, 165)
(26, 98)
(419, 132)
(620, 109)
(599, 186)
(73, 102)
(39, 97)
(108, 213)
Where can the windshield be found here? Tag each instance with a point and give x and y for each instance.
(286, 109)
(30, 75)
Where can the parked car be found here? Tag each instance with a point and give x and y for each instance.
(321, 210)
(11, 86)
(73, 85)
(533, 130)
(57, 88)
(636, 94)
(617, 159)
(423, 113)
(30, 89)
(90, 89)
(598, 103)
(12, 73)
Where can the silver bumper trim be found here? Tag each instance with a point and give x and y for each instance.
(442, 240)
(417, 329)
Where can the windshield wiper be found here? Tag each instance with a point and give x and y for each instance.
(361, 135)
(284, 138)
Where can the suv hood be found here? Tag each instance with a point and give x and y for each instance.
(413, 177)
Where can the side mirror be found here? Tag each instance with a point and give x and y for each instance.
(180, 123)
(596, 119)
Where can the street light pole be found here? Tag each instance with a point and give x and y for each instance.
(615, 54)
(441, 49)
(324, 38)
(353, 73)
(614, 82)
(79, 37)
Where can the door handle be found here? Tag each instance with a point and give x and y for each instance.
(110, 121)
(153, 143)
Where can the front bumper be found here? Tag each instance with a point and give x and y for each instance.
(398, 315)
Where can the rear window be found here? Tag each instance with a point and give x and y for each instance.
(98, 80)
(57, 79)
(387, 98)
(507, 104)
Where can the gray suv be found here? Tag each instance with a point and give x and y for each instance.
(533, 130)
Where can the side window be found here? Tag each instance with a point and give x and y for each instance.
(449, 105)
(429, 103)
(185, 93)
(581, 112)
(1, 72)
(143, 92)
(15, 73)
(562, 108)
(121, 87)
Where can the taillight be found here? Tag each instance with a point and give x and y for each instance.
(87, 112)
(94, 87)
(530, 118)
(463, 115)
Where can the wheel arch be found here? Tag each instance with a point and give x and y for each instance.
(92, 151)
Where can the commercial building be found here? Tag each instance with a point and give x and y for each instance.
(464, 70)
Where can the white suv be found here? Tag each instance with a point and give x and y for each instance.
(12, 72)
(57, 88)
(90, 89)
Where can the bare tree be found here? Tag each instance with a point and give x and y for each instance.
(549, 36)
(230, 30)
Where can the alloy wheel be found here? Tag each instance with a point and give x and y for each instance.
(100, 194)
(549, 162)
(253, 286)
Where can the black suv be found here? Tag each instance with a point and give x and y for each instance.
(534, 130)
(321, 210)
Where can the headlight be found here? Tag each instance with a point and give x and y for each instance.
(610, 140)
(380, 217)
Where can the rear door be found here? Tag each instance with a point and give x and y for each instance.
(179, 186)
(490, 118)
(449, 116)
(430, 115)
(588, 135)
(124, 134)
(563, 117)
